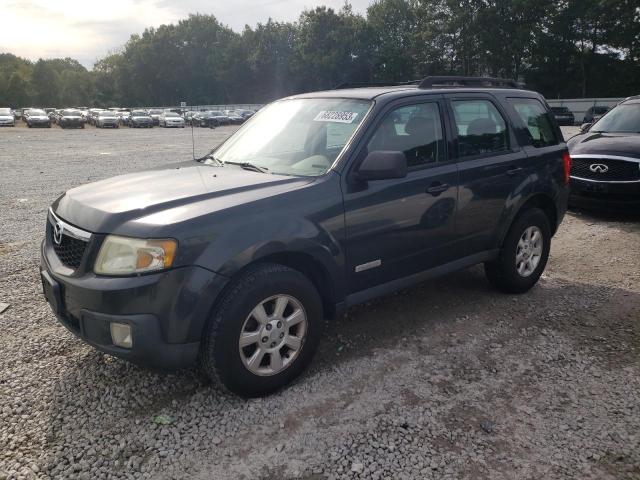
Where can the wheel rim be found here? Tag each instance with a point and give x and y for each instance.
(529, 251)
(272, 335)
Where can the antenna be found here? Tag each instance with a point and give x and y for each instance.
(193, 142)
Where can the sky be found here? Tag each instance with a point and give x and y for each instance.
(88, 29)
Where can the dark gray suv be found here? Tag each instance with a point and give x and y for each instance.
(320, 201)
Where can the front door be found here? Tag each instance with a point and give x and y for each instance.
(398, 227)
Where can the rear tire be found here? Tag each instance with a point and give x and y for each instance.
(523, 255)
(278, 343)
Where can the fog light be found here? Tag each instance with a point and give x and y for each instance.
(121, 335)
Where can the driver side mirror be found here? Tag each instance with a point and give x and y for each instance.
(383, 165)
(585, 127)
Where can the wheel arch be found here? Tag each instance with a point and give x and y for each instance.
(543, 202)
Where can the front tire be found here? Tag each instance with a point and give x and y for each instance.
(264, 331)
(523, 255)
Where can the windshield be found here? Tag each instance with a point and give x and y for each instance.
(71, 113)
(5, 111)
(296, 137)
(171, 114)
(36, 112)
(624, 118)
(155, 112)
(107, 115)
(139, 113)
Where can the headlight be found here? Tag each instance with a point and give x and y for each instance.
(125, 256)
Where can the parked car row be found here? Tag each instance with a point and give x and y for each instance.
(564, 116)
(117, 117)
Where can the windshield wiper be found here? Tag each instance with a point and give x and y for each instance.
(250, 166)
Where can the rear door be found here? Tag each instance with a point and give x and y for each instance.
(491, 165)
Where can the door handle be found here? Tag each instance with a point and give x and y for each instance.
(437, 188)
(514, 171)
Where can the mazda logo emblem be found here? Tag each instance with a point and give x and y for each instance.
(598, 168)
(57, 233)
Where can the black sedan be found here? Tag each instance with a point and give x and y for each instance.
(37, 118)
(606, 158)
(71, 119)
(563, 115)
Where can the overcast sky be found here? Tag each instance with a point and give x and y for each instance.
(87, 29)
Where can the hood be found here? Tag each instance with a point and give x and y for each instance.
(141, 117)
(71, 117)
(5, 116)
(594, 143)
(166, 195)
(39, 117)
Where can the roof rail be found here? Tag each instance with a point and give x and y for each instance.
(453, 81)
(374, 84)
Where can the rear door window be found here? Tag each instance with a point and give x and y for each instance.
(537, 120)
(481, 128)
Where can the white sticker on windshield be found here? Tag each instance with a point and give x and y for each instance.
(339, 117)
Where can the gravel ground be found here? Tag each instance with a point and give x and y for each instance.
(446, 380)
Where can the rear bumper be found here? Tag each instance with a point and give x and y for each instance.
(590, 194)
(167, 311)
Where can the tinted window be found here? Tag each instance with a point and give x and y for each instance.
(536, 118)
(415, 130)
(481, 128)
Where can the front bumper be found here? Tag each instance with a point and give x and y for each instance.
(167, 311)
(586, 193)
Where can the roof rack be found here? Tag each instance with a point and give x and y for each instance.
(374, 84)
(453, 81)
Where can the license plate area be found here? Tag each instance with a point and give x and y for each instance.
(52, 293)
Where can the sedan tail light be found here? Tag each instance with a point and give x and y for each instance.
(566, 164)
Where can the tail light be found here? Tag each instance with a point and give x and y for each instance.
(566, 164)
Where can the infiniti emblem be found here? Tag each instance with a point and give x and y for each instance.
(598, 168)
(57, 233)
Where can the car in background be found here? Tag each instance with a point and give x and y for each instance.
(123, 116)
(171, 119)
(188, 116)
(106, 119)
(6, 118)
(563, 116)
(71, 118)
(52, 114)
(594, 113)
(37, 118)
(234, 117)
(140, 119)
(606, 159)
(155, 115)
(246, 114)
(211, 118)
(93, 115)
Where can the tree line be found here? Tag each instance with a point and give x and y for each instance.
(562, 48)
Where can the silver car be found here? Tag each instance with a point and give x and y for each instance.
(171, 119)
(107, 119)
(6, 118)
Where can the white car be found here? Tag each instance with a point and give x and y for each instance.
(171, 119)
(6, 118)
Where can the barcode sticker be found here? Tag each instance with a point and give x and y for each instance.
(339, 117)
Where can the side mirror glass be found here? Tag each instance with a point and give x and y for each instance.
(585, 127)
(383, 165)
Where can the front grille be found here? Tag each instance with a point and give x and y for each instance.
(618, 170)
(70, 250)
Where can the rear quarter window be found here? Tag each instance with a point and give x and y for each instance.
(537, 120)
